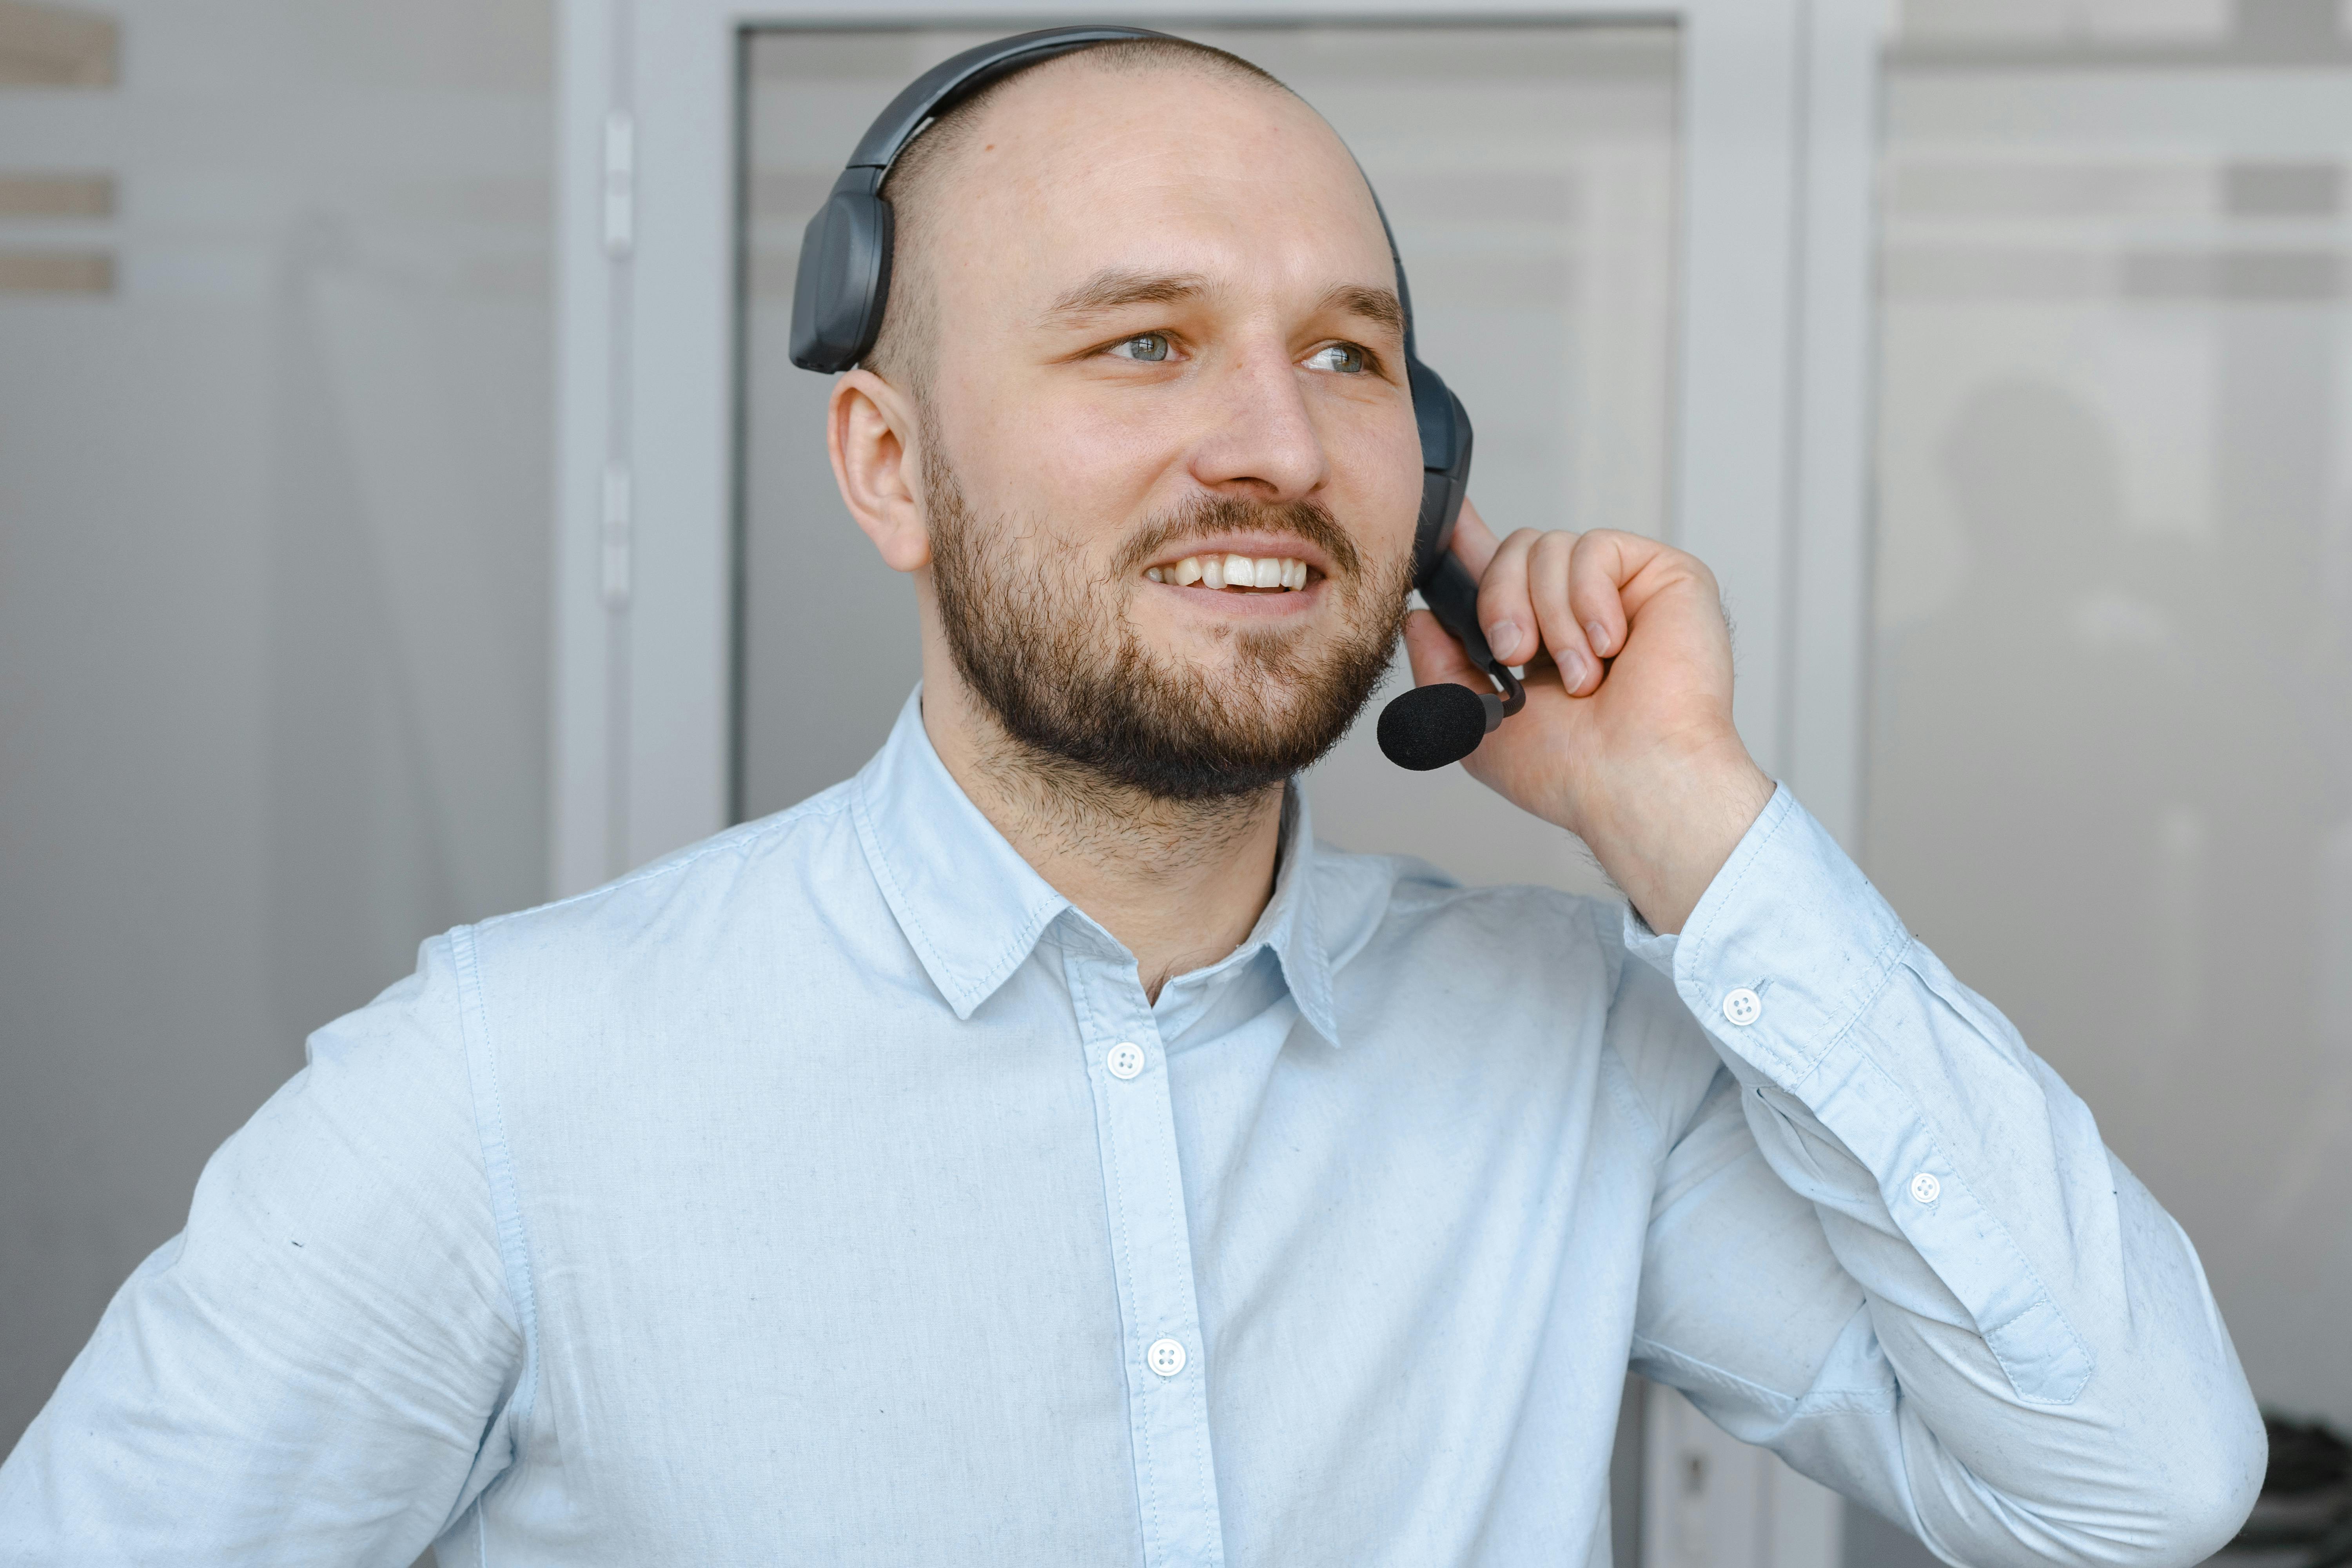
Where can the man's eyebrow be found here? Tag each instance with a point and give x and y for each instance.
(1115, 287)
(1378, 305)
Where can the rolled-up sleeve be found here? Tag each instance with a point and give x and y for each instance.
(313, 1371)
(1907, 1261)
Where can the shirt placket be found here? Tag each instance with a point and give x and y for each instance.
(1152, 1253)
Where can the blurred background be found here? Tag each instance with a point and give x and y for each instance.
(297, 542)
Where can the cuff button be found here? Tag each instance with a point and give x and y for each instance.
(1925, 1188)
(1743, 1006)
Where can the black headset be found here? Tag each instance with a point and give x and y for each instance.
(844, 282)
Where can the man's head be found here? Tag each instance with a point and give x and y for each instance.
(1142, 314)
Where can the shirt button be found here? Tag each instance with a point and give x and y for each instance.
(1926, 1188)
(1125, 1060)
(1743, 1006)
(1165, 1357)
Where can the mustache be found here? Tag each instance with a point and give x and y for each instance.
(1207, 515)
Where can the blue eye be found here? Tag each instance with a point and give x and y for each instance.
(1148, 347)
(1348, 359)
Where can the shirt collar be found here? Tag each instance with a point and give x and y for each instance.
(1292, 925)
(973, 908)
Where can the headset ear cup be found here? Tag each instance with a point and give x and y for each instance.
(1443, 486)
(1441, 506)
(842, 282)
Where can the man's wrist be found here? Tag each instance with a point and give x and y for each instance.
(1661, 838)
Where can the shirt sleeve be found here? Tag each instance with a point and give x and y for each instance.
(1889, 1244)
(314, 1371)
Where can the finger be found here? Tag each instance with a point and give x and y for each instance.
(1548, 587)
(1473, 540)
(1504, 613)
(1604, 562)
(1435, 655)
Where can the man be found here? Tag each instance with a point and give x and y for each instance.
(1038, 1151)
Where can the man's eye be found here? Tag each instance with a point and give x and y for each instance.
(1348, 359)
(1148, 347)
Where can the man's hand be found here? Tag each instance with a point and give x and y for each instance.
(1638, 758)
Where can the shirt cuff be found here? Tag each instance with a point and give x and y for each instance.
(1786, 948)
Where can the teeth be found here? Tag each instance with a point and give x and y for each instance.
(1233, 571)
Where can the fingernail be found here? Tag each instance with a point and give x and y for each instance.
(1600, 635)
(1503, 636)
(1571, 669)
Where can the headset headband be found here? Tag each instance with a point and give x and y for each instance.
(845, 262)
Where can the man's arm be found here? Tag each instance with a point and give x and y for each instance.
(1891, 1245)
(314, 1369)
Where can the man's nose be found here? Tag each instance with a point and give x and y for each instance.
(1260, 440)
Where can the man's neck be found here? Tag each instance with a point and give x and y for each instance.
(1179, 883)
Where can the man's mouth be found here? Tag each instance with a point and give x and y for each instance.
(1236, 573)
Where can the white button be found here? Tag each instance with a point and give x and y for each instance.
(1743, 1006)
(1126, 1059)
(1165, 1357)
(1926, 1188)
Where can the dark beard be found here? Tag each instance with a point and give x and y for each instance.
(1052, 659)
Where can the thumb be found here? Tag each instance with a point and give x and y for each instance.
(1436, 657)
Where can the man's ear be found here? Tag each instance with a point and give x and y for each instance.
(869, 427)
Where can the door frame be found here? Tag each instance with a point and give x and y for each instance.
(1771, 420)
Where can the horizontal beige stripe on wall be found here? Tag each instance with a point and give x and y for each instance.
(1955, 272)
(57, 46)
(56, 272)
(56, 196)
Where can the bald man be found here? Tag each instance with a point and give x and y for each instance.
(1037, 1150)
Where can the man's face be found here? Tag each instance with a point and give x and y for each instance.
(1168, 345)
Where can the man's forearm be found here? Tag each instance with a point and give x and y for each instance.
(2065, 1391)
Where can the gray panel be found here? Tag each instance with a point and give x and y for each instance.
(1874, 1542)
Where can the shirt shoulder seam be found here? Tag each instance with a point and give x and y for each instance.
(734, 841)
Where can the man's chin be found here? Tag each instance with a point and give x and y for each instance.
(1221, 719)
(1232, 693)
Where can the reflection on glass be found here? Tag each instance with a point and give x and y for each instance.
(1530, 175)
(2111, 761)
(274, 410)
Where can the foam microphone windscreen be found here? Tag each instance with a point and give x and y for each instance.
(1431, 726)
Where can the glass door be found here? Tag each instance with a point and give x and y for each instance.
(2110, 756)
(1638, 246)
(275, 322)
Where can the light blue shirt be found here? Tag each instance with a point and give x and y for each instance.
(831, 1193)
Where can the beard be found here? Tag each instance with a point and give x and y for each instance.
(1050, 651)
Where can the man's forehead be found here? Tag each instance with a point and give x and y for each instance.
(1080, 172)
